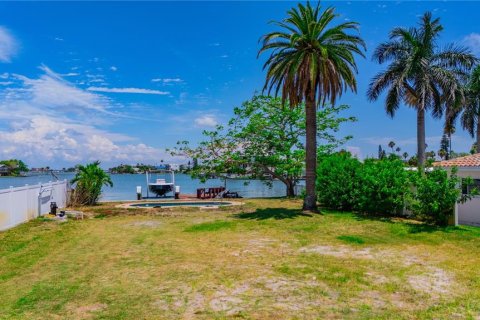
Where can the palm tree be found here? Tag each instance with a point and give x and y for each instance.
(391, 144)
(90, 179)
(314, 62)
(420, 74)
(405, 156)
(470, 119)
(442, 154)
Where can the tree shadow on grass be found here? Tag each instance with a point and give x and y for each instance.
(429, 228)
(359, 216)
(413, 226)
(272, 213)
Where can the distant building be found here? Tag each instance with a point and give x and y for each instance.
(4, 170)
(163, 167)
(174, 167)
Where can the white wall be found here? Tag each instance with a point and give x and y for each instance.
(18, 205)
(468, 213)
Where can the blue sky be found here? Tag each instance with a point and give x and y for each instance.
(121, 82)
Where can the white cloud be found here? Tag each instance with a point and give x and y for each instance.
(224, 56)
(5, 83)
(127, 90)
(206, 121)
(70, 74)
(51, 91)
(58, 39)
(113, 68)
(167, 80)
(8, 45)
(45, 138)
(50, 120)
(473, 42)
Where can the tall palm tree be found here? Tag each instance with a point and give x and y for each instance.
(470, 119)
(311, 61)
(420, 74)
(391, 144)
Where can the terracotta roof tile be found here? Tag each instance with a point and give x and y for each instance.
(467, 161)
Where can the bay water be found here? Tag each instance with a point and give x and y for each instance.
(124, 185)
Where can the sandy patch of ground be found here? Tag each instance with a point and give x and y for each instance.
(340, 251)
(427, 279)
(86, 311)
(145, 223)
(283, 294)
(435, 281)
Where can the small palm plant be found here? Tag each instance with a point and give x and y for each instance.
(89, 182)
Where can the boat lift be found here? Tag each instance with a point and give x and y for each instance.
(160, 186)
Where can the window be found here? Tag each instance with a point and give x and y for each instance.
(467, 189)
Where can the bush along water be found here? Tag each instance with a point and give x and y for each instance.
(384, 187)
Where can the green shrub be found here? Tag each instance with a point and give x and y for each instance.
(382, 186)
(89, 181)
(436, 194)
(336, 179)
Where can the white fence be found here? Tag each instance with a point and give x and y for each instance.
(18, 205)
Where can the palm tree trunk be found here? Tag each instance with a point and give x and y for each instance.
(310, 201)
(478, 136)
(421, 139)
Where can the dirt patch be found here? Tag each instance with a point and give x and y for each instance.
(341, 251)
(435, 282)
(87, 311)
(262, 242)
(282, 293)
(147, 223)
(377, 278)
(429, 279)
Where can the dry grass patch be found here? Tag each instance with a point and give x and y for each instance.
(262, 260)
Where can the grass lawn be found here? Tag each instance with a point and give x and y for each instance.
(262, 260)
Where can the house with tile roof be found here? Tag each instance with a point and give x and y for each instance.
(469, 166)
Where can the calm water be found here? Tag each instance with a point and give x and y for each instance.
(124, 185)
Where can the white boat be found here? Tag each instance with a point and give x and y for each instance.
(161, 182)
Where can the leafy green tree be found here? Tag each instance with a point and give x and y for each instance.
(420, 74)
(311, 61)
(89, 181)
(15, 166)
(263, 141)
(123, 169)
